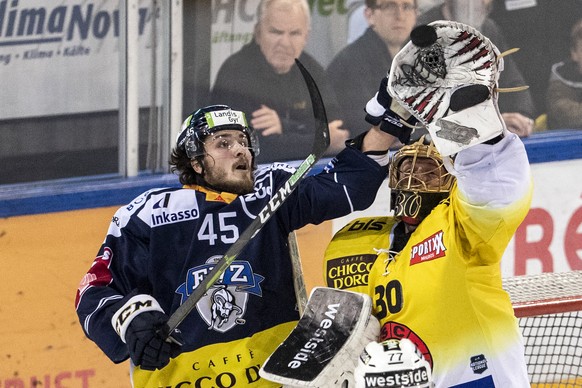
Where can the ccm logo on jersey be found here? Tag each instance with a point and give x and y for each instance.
(429, 249)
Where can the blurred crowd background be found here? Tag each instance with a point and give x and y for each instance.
(62, 112)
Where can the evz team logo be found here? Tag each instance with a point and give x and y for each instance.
(429, 249)
(224, 305)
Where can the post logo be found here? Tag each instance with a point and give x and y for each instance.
(429, 249)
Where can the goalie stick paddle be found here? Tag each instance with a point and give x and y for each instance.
(320, 144)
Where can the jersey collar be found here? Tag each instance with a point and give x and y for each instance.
(213, 196)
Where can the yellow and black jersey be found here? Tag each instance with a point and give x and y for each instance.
(443, 290)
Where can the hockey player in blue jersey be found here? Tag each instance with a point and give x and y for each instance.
(161, 245)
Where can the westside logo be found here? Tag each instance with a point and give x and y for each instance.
(404, 378)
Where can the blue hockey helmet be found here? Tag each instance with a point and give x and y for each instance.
(208, 120)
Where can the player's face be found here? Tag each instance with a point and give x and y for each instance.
(420, 174)
(282, 36)
(228, 162)
(393, 20)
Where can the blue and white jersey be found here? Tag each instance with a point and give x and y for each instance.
(166, 241)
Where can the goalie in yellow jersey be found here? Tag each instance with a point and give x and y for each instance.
(432, 269)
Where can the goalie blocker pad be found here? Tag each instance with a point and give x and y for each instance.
(323, 349)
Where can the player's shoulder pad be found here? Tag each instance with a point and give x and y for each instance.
(273, 174)
(126, 212)
(277, 166)
(142, 199)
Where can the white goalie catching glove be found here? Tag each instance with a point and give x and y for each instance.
(392, 364)
(322, 351)
(447, 76)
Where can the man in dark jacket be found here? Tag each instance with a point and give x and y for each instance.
(564, 97)
(355, 71)
(262, 79)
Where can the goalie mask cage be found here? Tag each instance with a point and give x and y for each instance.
(549, 308)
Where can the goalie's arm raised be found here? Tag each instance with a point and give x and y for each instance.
(494, 175)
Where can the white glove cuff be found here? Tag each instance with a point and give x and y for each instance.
(382, 159)
(374, 108)
(131, 309)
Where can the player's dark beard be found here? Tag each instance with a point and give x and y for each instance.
(239, 188)
(215, 179)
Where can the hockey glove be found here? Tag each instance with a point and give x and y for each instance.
(447, 76)
(387, 113)
(138, 324)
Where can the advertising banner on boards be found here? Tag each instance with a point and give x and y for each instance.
(63, 57)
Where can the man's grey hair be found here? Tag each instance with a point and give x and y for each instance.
(265, 4)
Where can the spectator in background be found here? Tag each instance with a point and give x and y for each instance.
(541, 30)
(354, 72)
(262, 79)
(564, 97)
(517, 108)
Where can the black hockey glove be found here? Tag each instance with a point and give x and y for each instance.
(146, 346)
(380, 111)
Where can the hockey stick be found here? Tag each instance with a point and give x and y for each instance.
(320, 144)
(298, 279)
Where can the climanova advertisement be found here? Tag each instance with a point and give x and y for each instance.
(62, 57)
